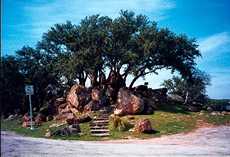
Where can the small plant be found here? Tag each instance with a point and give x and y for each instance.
(120, 124)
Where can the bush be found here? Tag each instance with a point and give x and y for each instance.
(121, 124)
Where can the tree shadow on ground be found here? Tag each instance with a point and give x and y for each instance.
(152, 131)
(173, 108)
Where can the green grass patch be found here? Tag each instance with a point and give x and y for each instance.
(218, 119)
(164, 122)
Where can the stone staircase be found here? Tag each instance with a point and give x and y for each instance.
(100, 125)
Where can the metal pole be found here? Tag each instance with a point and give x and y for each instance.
(31, 115)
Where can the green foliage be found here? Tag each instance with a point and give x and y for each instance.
(120, 123)
(218, 102)
(163, 122)
(129, 45)
(36, 70)
(193, 89)
(11, 86)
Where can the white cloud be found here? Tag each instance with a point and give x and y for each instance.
(215, 42)
(215, 50)
(220, 84)
(39, 15)
(44, 15)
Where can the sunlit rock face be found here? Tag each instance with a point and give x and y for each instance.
(139, 100)
(143, 126)
(128, 103)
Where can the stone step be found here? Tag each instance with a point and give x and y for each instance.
(104, 114)
(99, 127)
(99, 131)
(100, 121)
(101, 118)
(99, 124)
(100, 135)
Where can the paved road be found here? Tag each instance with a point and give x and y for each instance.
(214, 141)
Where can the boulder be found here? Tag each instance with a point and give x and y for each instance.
(96, 94)
(195, 107)
(49, 118)
(72, 97)
(152, 97)
(76, 120)
(209, 109)
(61, 132)
(77, 98)
(71, 119)
(11, 117)
(128, 103)
(75, 128)
(84, 118)
(143, 126)
(67, 131)
(63, 116)
(39, 119)
(48, 133)
(25, 121)
(92, 106)
(175, 97)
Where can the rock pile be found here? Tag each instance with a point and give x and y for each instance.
(141, 100)
(78, 119)
(128, 103)
(143, 126)
(152, 97)
(73, 129)
(25, 121)
(39, 119)
(80, 99)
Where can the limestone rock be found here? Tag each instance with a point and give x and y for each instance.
(39, 119)
(92, 106)
(175, 97)
(152, 97)
(67, 131)
(72, 97)
(84, 118)
(25, 121)
(143, 126)
(128, 103)
(95, 95)
(80, 119)
(48, 133)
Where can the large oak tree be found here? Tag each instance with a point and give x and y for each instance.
(127, 45)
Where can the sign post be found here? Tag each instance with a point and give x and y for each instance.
(29, 89)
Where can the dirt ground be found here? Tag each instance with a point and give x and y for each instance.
(205, 141)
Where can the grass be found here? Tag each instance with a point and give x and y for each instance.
(165, 121)
(217, 119)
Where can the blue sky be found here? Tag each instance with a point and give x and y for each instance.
(24, 21)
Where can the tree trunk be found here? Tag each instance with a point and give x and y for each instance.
(133, 81)
(186, 98)
(82, 82)
(93, 79)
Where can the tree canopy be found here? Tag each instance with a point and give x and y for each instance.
(194, 90)
(99, 46)
(127, 45)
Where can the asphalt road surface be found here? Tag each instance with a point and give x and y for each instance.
(211, 141)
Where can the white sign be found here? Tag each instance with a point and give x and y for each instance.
(29, 89)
